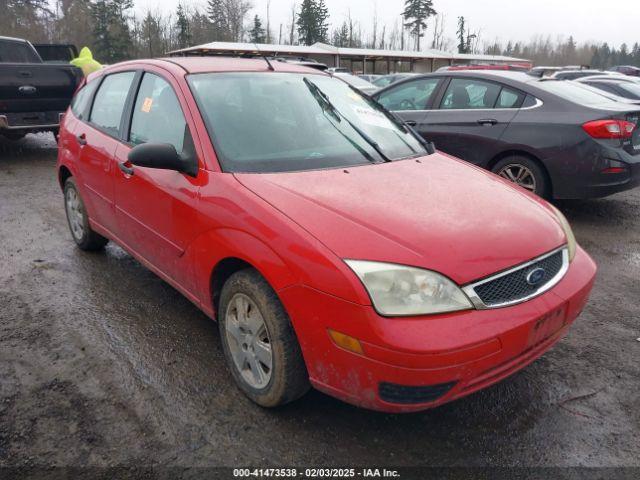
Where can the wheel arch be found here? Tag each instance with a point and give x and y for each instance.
(522, 153)
(220, 253)
(221, 273)
(63, 174)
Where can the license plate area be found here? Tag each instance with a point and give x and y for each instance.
(548, 325)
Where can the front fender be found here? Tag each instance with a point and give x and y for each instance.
(213, 246)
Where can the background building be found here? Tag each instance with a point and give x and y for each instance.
(357, 60)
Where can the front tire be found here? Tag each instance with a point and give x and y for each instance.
(259, 343)
(525, 173)
(81, 231)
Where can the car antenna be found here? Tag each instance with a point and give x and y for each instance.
(265, 58)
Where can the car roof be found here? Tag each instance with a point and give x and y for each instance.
(603, 80)
(218, 64)
(12, 39)
(488, 74)
(609, 78)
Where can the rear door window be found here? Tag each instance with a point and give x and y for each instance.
(509, 98)
(470, 94)
(110, 101)
(80, 103)
(17, 52)
(408, 96)
(157, 115)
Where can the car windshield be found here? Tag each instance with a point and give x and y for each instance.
(574, 92)
(278, 122)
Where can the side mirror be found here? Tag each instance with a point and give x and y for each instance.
(162, 156)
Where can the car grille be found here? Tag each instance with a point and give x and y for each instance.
(513, 286)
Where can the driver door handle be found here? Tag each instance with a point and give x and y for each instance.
(82, 139)
(411, 123)
(125, 169)
(488, 121)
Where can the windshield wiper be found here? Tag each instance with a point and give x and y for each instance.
(315, 90)
(334, 117)
(428, 146)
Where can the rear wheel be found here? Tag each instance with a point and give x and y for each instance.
(78, 220)
(259, 343)
(525, 173)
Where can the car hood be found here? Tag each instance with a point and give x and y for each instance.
(437, 213)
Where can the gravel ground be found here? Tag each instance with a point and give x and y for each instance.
(102, 363)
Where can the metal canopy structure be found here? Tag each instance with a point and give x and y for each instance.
(369, 60)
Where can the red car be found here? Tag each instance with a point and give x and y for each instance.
(333, 246)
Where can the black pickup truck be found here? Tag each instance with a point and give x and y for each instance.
(33, 94)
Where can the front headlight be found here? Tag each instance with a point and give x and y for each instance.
(397, 290)
(568, 232)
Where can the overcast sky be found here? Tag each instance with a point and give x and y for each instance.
(615, 22)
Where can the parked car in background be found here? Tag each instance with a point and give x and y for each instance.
(547, 71)
(370, 78)
(301, 61)
(615, 86)
(504, 67)
(34, 95)
(357, 82)
(576, 74)
(56, 53)
(627, 70)
(387, 80)
(332, 246)
(617, 78)
(556, 138)
(339, 70)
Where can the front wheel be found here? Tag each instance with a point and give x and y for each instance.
(78, 220)
(259, 343)
(525, 173)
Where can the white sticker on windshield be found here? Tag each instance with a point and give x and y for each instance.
(371, 117)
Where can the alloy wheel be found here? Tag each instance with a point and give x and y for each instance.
(75, 213)
(248, 340)
(520, 175)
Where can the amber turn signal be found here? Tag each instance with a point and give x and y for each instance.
(346, 342)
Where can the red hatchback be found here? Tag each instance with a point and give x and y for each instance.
(333, 246)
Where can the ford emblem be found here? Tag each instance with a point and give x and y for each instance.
(536, 276)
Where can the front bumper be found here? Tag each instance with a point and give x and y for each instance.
(455, 354)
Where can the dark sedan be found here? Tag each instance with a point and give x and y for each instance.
(620, 87)
(558, 139)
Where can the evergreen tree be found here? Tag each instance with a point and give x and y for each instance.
(312, 22)
(200, 28)
(152, 36)
(183, 28)
(341, 36)
(462, 36)
(101, 19)
(306, 22)
(322, 19)
(112, 34)
(257, 33)
(623, 55)
(74, 26)
(218, 17)
(635, 54)
(416, 13)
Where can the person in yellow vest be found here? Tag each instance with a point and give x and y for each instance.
(86, 62)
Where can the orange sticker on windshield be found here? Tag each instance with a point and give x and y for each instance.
(146, 106)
